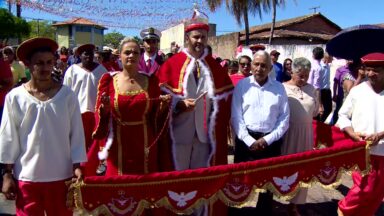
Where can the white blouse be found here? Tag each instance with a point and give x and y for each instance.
(43, 139)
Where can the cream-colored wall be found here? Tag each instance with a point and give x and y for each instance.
(98, 40)
(82, 38)
(175, 33)
(62, 36)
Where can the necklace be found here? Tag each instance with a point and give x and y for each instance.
(40, 94)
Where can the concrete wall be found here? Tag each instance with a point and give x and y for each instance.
(175, 33)
(225, 45)
(62, 36)
(82, 38)
(98, 40)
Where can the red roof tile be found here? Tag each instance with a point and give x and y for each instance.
(78, 21)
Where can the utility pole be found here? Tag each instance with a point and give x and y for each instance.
(10, 6)
(38, 27)
(314, 9)
(18, 8)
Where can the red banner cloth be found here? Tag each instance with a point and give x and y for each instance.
(234, 184)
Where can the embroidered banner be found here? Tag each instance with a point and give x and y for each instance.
(234, 184)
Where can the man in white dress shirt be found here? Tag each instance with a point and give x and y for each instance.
(42, 141)
(362, 118)
(83, 79)
(260, 117)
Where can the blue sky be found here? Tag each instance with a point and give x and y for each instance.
(344, 13)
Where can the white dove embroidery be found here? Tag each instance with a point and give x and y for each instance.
(236, 187)
(286, 182)
(328, 171)
(182, 198)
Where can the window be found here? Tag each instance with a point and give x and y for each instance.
(83, 28)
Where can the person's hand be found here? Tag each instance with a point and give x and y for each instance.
(374, 138)
(77, 175)
(165, 98)
(105, 106)
(321, 109)
(356, 136)
(334, 98)
(361, 73)
(259, 145)
(9, 186)
(186, 105)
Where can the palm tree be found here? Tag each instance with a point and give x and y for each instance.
(274, 4)
(241, 8)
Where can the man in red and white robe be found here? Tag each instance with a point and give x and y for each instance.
(201, 93)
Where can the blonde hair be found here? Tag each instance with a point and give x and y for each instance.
(127, 40)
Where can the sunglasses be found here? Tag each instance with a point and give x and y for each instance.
(245, 64)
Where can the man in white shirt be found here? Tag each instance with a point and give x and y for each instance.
(83, 79)
(260, 117)
(42, 141)
(362, 118)
(150, 61)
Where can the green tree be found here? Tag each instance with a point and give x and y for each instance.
(241, 8)
(138, 39)
(12, 26)
(113, 39)
(41, 28)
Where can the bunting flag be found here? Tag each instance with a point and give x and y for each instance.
(233, 185)
(127, 14)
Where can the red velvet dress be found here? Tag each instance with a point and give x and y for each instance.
(132, 113)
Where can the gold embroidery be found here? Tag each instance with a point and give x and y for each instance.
(220, 195)
(119, 151)
(179, 88)
(145, 132)
(128, 93)
(296, 162)
(126, 123)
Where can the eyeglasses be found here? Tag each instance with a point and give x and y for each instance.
(245, 64)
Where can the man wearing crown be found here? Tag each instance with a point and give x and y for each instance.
(201, 97)
(201, 93)
(150, 61)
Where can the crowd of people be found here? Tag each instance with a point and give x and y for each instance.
(134, 110)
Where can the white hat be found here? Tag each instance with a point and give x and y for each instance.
(150, 33)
